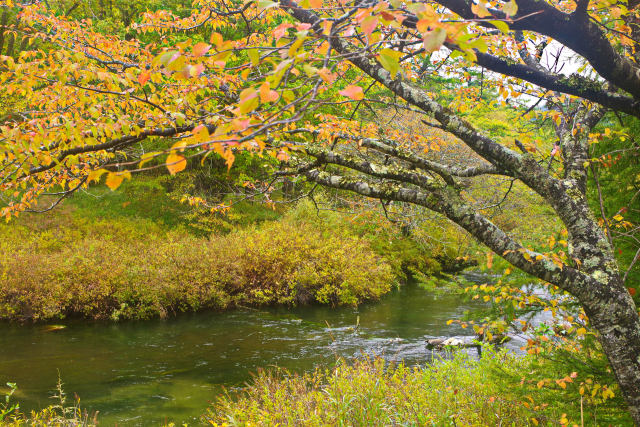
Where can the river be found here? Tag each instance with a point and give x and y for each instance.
(143, 373)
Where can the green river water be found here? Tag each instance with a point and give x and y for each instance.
(144, 373)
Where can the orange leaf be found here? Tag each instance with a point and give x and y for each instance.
(266, 94)
(175, 163)
(282, 156)
(353, 92)
(490, 260)
(216, 38)
(369, 24)
(327, 75)
(423, 25)
(144, 77)
(200, 49)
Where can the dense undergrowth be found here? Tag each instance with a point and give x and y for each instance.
(137, 253)
(64, 265)
(460, 391)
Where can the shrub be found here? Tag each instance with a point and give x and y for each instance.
(132, 269)
(372, 392)
(498, 389)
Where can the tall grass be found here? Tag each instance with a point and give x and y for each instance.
(497, 390)
(371, 392)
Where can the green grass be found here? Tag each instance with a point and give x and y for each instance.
(147, 197)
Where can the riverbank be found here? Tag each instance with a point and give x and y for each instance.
(169, 369)
(498, 389)
(130, 256)
(64, 266)
(456, 390)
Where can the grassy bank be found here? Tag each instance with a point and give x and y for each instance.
(64, 265)
(137, 253)
(499, 389)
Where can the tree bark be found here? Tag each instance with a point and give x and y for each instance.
(614, 316)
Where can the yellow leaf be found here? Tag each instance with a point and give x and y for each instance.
(248, 100)
(295, 46)
(254, 56)
(114, 179)
(147, 157)
(511, 8)
(434, 40)
(95, 175)
(200, 133)
(175, 163)
(480, 10)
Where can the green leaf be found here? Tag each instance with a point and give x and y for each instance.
(479, 44)
(266, 4)
(389, 59)
(309, 70)
(501, 25)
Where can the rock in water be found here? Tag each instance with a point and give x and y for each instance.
(453, 342)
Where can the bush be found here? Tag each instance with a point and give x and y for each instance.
(499, 389)
(61, 266)
(372, 392)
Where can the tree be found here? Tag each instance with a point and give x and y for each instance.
(274, 77)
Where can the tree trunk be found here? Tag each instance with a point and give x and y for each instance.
(613, 314)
